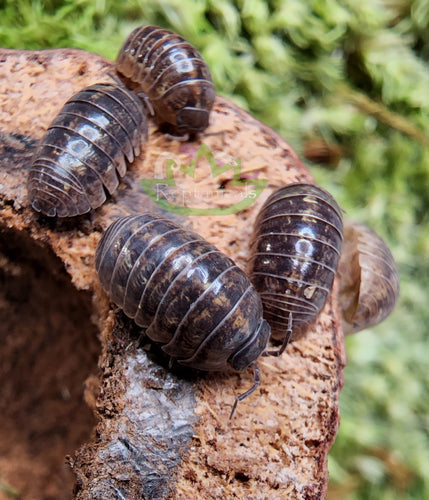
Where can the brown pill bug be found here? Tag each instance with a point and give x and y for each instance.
(294, 256)
(85, 149)
(173, 76)
(191, 298)
(368, 276)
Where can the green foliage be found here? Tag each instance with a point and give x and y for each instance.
(354, 76)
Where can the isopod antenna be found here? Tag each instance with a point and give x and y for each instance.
(256, 382)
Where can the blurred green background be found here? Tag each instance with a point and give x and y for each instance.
(346, 83)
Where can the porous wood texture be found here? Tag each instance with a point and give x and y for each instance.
(165, 433)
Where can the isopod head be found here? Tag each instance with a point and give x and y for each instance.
(368, 276)
(192, 120)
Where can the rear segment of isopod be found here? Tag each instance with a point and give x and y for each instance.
(368, 277)
(85, 149)
(190, 298)
(173, 75)
(294, 255)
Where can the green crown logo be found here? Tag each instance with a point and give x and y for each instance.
(151, 186)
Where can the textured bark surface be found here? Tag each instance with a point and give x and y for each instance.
(154, 433)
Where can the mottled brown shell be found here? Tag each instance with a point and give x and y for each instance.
(294, 255)
(190, 298)
(173, 75)
(85, 149)
(369, 279)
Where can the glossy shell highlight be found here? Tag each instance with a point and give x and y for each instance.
(190, 298)
(294, 254)
(172, 74)
(369, 278)
(85, 150)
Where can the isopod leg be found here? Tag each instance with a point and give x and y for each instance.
(286, 340)
(147, 102)
(180, 138)
(240, 397)
(219, 132)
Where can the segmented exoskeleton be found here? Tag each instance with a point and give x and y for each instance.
(190, 297)
(368, 277)
(173, 76)
(294, 255)
(84, 151)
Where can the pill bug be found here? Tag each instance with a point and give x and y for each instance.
(294, 253)
(191, 298)
(85, 149)
(368, 277)
(173, 76)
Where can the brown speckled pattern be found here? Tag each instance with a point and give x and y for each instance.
(276, 447)
(173, 75)
(84, 151)
(369, 278)
(190, 297)
(295, 250)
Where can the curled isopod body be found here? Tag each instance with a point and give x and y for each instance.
(368, 276)
(191, 298)
(85, 149)
(173, 76)
(294, 256)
